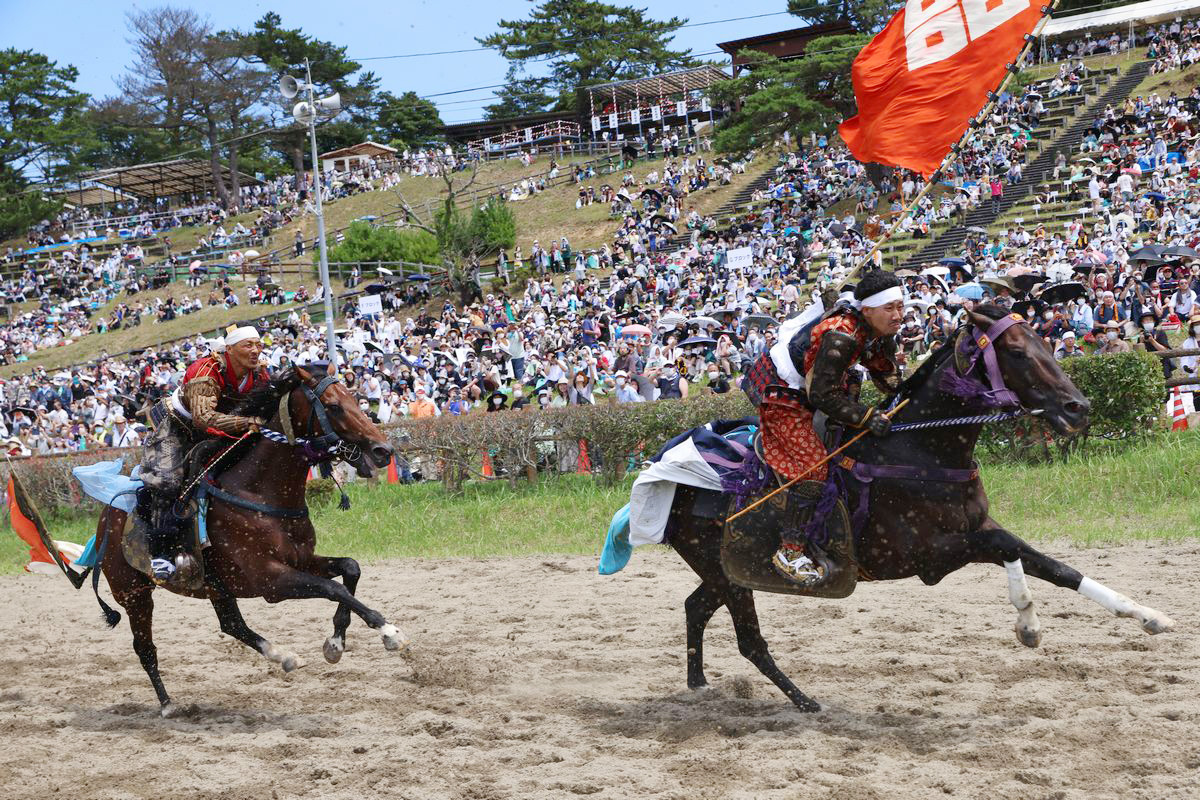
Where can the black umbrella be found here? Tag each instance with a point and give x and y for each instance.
(1027, 281)
(704, 340)
(1150, 251)
(760, 321)
(1152, 266)
(733, 337)
(375, 288)
(1023, 307)
(1062, 292)
(1179, 251)
(657, 195)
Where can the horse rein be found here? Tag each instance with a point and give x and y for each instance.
(996, 393)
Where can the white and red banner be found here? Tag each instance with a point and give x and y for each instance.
(923, 77)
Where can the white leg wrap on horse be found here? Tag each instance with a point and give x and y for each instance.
(393, 638)
(1028, 628)
(1152, 621)
(288, 661)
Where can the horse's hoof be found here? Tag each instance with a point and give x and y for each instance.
(1030, 637)
(1157, 623)
(333, 649)
(393, 638)
(171, 711)
(806, 705)
(290, 663)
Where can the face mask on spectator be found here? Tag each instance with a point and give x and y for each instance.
(1112, 335)
(1147, 326)
(1048, 315)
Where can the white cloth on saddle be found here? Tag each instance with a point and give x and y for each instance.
(104, 482)
(654, 490)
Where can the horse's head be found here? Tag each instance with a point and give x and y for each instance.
(324, 409)
(1028, 369)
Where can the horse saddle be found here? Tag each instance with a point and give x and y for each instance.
(137, 551)
(749, 542)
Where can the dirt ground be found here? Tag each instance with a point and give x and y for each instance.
(535, 677)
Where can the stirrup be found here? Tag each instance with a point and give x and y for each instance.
(798, 568)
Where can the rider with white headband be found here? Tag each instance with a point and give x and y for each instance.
(819, 360)
(210, 388)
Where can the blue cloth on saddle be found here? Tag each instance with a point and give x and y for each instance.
(617, 549)
(103, 481)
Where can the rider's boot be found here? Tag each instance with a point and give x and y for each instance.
(164, 537)
(807, 565)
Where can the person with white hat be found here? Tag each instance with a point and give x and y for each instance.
(210, 389)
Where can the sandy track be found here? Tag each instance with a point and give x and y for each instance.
(536, 678)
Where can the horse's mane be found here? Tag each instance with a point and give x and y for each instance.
(263, 400)
(939, 356)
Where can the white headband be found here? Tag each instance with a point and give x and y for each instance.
(240, 335)
(889, 295)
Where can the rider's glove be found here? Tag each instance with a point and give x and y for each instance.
(878, 423)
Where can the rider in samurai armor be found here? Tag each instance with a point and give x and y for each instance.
(211, 387)
(812, 369)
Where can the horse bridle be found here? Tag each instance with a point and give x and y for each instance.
(321, 448)
(998, 395)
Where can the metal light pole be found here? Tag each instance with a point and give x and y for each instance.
(331, 340)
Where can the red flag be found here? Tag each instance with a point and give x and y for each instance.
(923, 77)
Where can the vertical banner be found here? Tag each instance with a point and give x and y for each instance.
(612, 120)
(656, 112)
(635, 117)
(529, 134)
(681, 108)
(705, 106)
(595, 124)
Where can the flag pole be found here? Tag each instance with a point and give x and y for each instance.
(1010, 72)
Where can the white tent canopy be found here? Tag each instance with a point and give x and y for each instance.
(1147, 13)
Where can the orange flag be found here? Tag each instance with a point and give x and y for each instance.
(23, 517)
(923, 77)
(393, 474)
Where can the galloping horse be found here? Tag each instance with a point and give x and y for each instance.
(928, 512)
(262, 539)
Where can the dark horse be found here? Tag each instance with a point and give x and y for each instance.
(261, 538)
(920, 528)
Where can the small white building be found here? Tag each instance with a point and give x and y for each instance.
(346, 158)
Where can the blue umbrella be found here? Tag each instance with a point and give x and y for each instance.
(1159, 196)
(953, 262)
(971, 291)
(419, 277)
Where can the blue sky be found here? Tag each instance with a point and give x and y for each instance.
(92, 36)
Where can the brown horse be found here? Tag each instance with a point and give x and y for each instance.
(261, 538)
(928, 513)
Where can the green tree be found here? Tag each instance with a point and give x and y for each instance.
(283, 52)
(365, 243)
(867, 16)
(519, 96)
(579, 43)
(797, 95)
(41, 134)
(408, 120)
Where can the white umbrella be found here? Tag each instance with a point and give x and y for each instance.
(671, 320)
(250, 254)
(705, 322)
